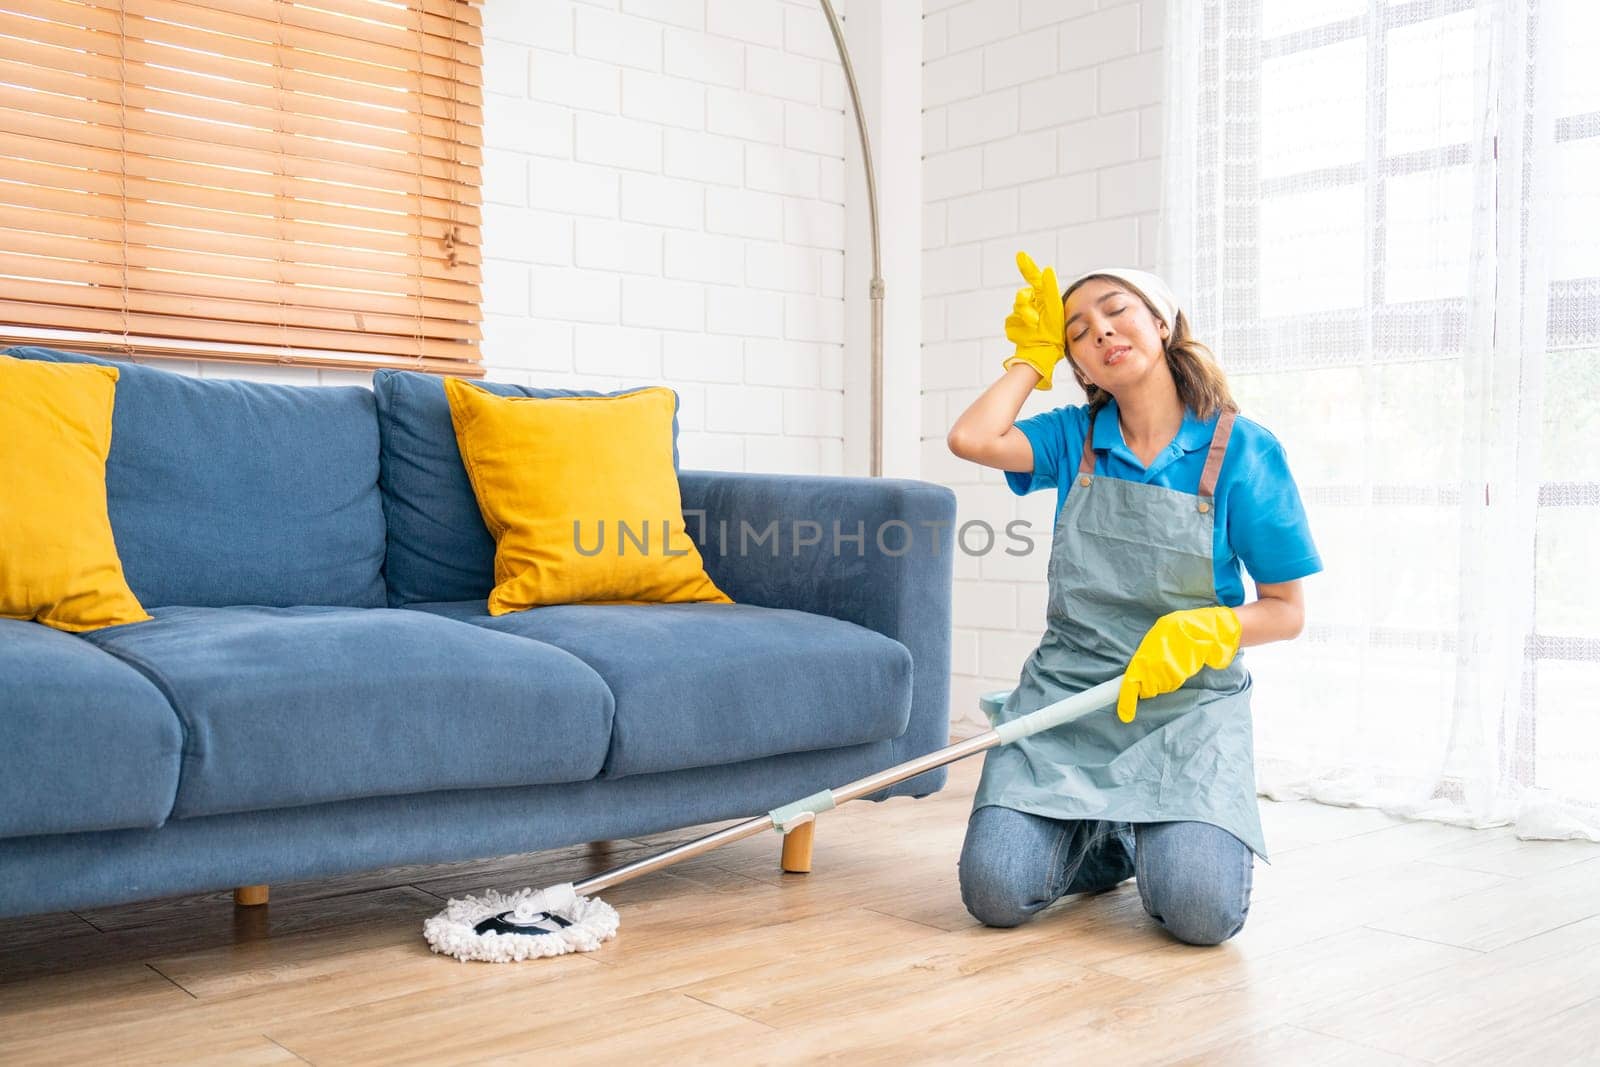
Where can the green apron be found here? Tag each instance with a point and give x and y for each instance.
(1124, 554)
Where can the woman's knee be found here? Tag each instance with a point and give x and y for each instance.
(1195, 880)
(1202, 919)
(991, 900)
(1004, 866)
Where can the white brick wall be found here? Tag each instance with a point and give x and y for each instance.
(664, 203)
(1041, 131)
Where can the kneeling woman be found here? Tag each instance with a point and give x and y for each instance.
(1164, 491)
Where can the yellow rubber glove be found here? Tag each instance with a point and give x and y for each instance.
(1036, 324)
(1174, 650)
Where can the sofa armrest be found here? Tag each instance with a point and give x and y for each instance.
(878, 552)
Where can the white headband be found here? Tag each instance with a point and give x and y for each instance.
(1153, 289)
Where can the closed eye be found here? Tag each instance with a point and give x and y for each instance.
(1113, 314)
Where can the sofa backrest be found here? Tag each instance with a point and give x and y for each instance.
(439, 548)
(229, 492)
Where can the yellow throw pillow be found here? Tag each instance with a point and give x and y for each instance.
(581, 497)
(58, 559)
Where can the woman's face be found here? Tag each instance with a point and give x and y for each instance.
(1111, 334)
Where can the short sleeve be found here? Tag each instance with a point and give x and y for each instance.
(1267, 525)
(1047, 433)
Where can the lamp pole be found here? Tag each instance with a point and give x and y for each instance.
(875, 290)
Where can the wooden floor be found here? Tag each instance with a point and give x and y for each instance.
(1370, 941)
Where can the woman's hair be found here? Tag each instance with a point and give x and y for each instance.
(1202, 386)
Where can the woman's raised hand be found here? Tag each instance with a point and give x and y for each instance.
(1035, 324)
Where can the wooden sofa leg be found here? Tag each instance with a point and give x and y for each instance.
(797, 848)
(250, 895)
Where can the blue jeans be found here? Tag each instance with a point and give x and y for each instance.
(1194, 878)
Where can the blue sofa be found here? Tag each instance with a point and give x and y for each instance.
(321, 690)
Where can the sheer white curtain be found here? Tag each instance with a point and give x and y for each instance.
(1385, 217)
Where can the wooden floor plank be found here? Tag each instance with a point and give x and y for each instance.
(1294, 1045)
(55, 926)
(1503, 914)
(1501, 852)
(1323, 972)
(533, 1021)
(691, 1033)
(1287, 921)
(907, 961)
(1292, 825)
(243, 928)
(1571, 1036)
(1449, 1014)
(122, 993)
(953, 1020)
(1224, 999)
(1365, 855)
(154, 1048)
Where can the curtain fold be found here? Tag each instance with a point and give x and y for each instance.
(1384, 219)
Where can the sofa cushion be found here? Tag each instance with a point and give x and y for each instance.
(551, 474)
(290, 706)
(58, 559)
(439, 548)
(233, 492)
(704, 684)
(86, 742)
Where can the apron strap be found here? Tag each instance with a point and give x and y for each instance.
(1213, 467)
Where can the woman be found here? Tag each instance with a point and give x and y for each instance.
(1163, 494)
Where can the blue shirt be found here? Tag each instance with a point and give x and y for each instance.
(1260, 521)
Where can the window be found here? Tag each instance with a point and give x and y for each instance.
(1385, 216)
(245, 180)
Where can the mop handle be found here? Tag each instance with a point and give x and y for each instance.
(808, 808)
(1061, 712)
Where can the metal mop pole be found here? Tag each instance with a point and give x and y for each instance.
(788, 817)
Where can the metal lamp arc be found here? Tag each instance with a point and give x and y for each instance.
(875, 287)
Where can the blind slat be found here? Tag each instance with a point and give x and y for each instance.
(376, 287)
(169, 280)
(396, 34)
(198, 182)
(150, 64)
(93, 99)
(103, 331)
(437, 16)
(362, 60)
(173, 137)
(228, 213)
(69, 16)
(156, 66)
(62, 234)
(212, 317)
(380, 43)
(258, 180)
(465, 106)
(187, 44)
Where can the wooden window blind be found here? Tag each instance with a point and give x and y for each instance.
(263, 181)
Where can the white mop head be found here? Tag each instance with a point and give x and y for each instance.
(545, 922)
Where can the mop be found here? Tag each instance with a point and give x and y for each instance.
(528, 924)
